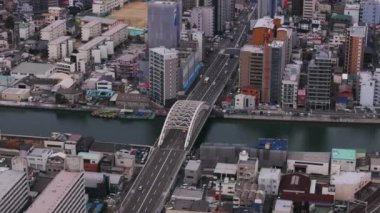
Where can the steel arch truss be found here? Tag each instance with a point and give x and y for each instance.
(183, 116)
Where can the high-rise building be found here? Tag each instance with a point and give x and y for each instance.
(164, 23)
(190, 4)
(370, 12)
(203, 19)
(266, 8)
(367, 89)
(353, 10)
(309, 9)
(319, 80)
(164, 75)
(65, 193)
(14, 189)
(290, 82)
(272, 86)
(296, 7)
(355, 44)
(224, 13)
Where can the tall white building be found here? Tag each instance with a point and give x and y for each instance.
(370, 12)
(367, 89)
(203, 19)
(14, 189)
(376, 76)
(269, 180)
(91, 30)
(163, 74)
(309, 9)
(65, 193)
(54, 30)
(353, 10)
(289, 88)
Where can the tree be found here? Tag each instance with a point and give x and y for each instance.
(9, 23)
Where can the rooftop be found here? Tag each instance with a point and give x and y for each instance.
(91, 24)
(15, 91)
(8, 179)
(125, 97)
(32, 80)
(90, 156)
(92, 43)
(53, 194)
(352, 7)
(53, 25)
(310, 156)
(107, 21)
(265, 22)
(272, 144)
(115, 29)
(343, 154)
(358, 31)
(295, 182)
(252, 48)
(33, 68)
(37, 152)
(59, 40)
(187, 194)
(267, 173)
(349, 177)
(193, 165)
(92, 179)
(225, 168)
(283, 205)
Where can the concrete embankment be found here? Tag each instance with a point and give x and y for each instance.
(28, 105)
(321, 119)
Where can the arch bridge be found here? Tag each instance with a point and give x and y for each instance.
(187, 116)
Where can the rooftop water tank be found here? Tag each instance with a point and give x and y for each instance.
(243, 156)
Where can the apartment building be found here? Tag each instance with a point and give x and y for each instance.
(203, 19)
(65, 193)
(163, 74)
(14, 189)
(290, 85)
(355, 44)
(60, 48)
(54, 30)
(309, 9)
(91, 30)
(370, 12)
(117, 34)
(104, 7)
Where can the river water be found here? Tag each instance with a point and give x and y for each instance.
(301, 136)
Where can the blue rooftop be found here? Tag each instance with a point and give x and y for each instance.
(272, 144)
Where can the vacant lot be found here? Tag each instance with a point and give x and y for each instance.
(135, 14)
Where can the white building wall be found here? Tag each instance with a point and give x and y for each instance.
(367, 89)
(348, 183)
(311, 168)
(203, 18)
(353, 10)
(309, 9)
(269, 180)
(54, 30)
(370, 12)
(345, 165)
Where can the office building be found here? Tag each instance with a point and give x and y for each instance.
(366, 89)
(296, 7)
(353, 10)
(319, 80)
(266, 8)
(163, 74)
(60, 48)
(269, 180)
(54, 30)
(355, 44)
(164, 23)
(271, 89)
(65, 193)
(223, 14)
(14, 189)
(370, 12)
(290, 85)
(309, 11)
(203, 19)
(91, 30)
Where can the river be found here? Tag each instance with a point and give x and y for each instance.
(301, 136)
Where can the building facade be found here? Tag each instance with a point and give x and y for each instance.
(54, 30)
(60, 48)
(164, 23)
(163, 74)
(370, 12)
(91, 30)
(269, 180)
(203, 19)
(309, 7)
(289, 88)
(14, 189)
(355, 44)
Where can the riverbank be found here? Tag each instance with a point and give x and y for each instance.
(313, 119)
(34, 105)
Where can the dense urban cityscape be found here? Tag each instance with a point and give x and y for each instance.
(155, 73)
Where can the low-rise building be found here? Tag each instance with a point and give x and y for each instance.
(39, 70)
(296, 183)
(344, 158)
(91, 161)
(269, 180)
(37, 159)
(15, 94)
(105, 83)
(26, 30)
(132, 101)
(309, 162)
(245, 102)
(283, 206)
(225, 170)
(55, 163)
(54, 30)
(14, 189)
(104, 7)
(192, 172)
(347, 184)
(245, 194)
(124, 158)
(114, 184)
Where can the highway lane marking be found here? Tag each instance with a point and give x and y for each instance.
(155, 191)
(215, 78)
(151, 187)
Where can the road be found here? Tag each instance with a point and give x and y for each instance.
(153, 184)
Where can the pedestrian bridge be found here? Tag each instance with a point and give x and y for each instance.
(187, 116)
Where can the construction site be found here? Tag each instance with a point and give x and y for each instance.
(134, 13)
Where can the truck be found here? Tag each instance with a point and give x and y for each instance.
(205, 80)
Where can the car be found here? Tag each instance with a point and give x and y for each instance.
(2, 160)
(140, 188)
